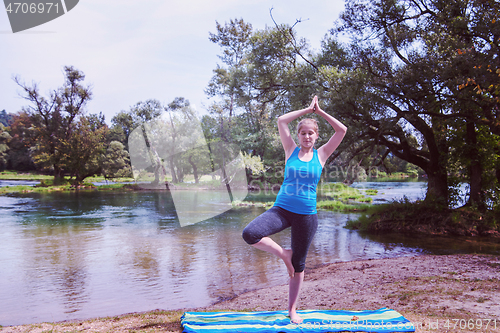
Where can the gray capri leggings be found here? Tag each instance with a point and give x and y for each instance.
(277, 219)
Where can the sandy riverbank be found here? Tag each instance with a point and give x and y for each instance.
(432, 291)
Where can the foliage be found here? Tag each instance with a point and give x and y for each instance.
(340, 206)
(84, 148)
(418, 83)
(55, 122)
(20, 152)
(411, 93)
(427, 218)
(342, 193)
(173, 145)
(259, 67)
(5, 118)
(50, 183)
(254, 164)
(116, 161)
(126, 121)
(4, 147)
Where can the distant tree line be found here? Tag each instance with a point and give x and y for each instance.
(54, 134)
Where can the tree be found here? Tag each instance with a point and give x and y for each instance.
(178, 130)
(474, 83)
(406, 82)
(5, 118)
(234, 38)
(4, 147)
(418, 82)
(122, 124)
(54, 118)
(116, 161)
(262, 79)
(20, 150)
(85, 148)
(126, 121)
(170, 143)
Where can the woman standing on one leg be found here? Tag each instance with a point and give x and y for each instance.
(295, 205)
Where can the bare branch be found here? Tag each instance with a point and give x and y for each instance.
(292, 40)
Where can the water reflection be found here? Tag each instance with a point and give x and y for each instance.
(6, 182)
(87, 254)
(411, 190)
(390, 191)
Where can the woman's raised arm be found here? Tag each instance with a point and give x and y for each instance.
(283, 121)
(340, 129)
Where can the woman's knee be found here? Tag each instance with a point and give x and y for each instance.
(299, 264)
(249, 236)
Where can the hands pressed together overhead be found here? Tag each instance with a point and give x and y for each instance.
(314, 106)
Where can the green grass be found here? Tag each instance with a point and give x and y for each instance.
(331, 196)
(111, 187)
(114, 180)
(370, 191)
(15, 175)
(333, 205)
(343, 193)
(239, 203)
(27, 188)
(340, 206)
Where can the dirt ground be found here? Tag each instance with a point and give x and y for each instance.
(452, 293)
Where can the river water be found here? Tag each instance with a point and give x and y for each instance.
(78, 255)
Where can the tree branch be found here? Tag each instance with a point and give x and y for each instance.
(292, 40)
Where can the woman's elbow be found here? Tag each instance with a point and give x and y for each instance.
(342, 130)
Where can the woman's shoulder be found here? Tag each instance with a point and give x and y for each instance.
(291, 152)
(316, 157)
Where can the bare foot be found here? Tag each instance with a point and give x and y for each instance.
(294, 317)
(287, 258)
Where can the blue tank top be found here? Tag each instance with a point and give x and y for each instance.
(298, 192)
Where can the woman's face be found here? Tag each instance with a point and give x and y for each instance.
(307, 135)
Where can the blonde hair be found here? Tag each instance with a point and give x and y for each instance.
(308, 120)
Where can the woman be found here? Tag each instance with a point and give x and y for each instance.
(295, 205)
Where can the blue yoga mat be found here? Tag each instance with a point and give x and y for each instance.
(381, 320)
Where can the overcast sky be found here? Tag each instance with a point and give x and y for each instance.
(131, 51)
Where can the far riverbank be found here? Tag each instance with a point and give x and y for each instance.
(388, 207)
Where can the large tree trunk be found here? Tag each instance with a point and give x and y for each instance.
(435, 164)
(437, 187)
(195, 169)
(437, 168)
(172, 169)
(475, 168)
(58, 175)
